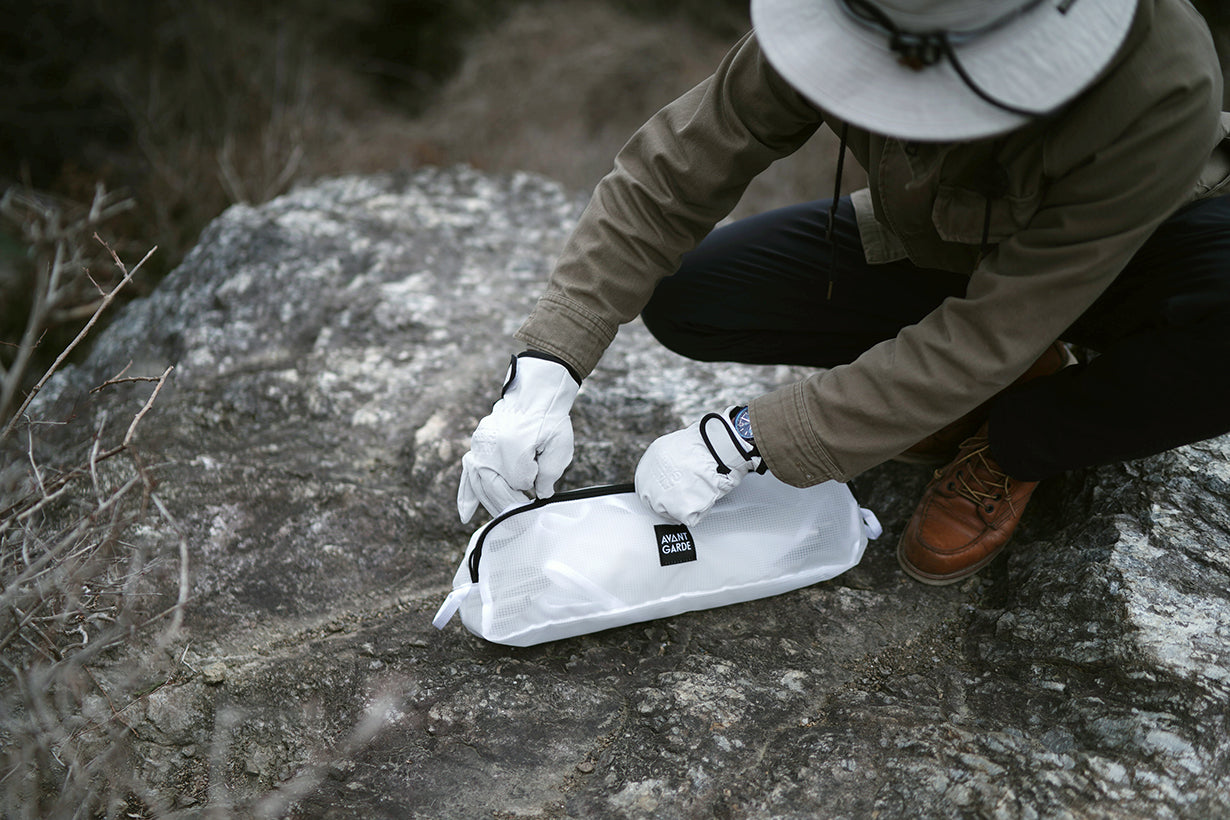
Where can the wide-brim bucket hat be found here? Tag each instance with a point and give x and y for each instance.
(941, 70)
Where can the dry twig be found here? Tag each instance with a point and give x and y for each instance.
(107, 299)
(63, 288)
(72, 590)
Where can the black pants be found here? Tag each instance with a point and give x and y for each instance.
(755, 292)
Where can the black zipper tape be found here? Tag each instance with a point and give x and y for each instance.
(566, 495)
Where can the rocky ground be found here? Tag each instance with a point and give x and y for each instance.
(334, 348)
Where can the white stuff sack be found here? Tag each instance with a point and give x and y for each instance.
(586, 560)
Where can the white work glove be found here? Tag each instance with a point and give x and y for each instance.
(682, 474)
(525, 444)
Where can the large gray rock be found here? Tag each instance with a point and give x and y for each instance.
(334, 349)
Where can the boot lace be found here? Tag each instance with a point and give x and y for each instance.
(978, 478)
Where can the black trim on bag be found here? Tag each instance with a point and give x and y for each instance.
(566, 495)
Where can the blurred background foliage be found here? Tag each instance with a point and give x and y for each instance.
(192, 104)
(188, 106)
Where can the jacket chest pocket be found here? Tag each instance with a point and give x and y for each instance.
(961, 215)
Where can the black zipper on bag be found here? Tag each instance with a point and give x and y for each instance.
(566, 495)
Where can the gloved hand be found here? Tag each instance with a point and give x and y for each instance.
(525, 444)
(682, 474)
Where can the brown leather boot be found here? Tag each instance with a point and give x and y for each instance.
(966, 516)
(940, 447)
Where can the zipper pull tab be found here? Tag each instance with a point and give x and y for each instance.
(450, 606)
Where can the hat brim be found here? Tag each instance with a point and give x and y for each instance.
(1037, 63)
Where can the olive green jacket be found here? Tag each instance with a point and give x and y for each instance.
(1077, 195)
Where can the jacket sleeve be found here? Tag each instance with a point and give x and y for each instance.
(681, 173)
(1098, 210)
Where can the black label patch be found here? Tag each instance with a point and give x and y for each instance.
(675, 544)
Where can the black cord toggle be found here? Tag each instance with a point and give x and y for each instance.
(917, 51)
(914, 49)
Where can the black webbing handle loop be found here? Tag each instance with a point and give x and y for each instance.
(734, 438)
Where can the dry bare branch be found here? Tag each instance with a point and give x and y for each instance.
(118, 378)
(56, 232)
(182, 600)
(72, 589)
(102, 306)
(93, 461)
(132, 428)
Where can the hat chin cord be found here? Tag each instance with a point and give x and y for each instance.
(918, 50)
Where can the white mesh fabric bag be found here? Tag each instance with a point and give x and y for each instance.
(587, 560)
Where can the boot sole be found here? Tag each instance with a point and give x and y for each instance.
(942, 580)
